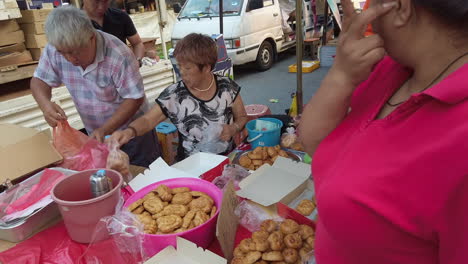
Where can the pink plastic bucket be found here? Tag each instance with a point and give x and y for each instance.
(80, 211)
(201, 235)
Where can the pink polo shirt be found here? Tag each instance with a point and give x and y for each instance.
(395, 190)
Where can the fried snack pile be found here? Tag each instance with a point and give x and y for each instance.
(168, 211)
(261, 155)
(285, 242)
(306, 207)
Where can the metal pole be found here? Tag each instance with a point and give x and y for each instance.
(221, 16)
(161, 6)
(325, 27)
(299, 54)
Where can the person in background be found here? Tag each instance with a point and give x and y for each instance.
(102, 77)
(388, 137)
(199, 101)
(115, 22)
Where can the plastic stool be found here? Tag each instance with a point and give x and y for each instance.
(253, 111)
(167, 132)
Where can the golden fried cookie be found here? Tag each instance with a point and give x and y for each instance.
(290, 255)
(181, 229)
(169, 223)
(200, 218)
(182, 198)
(262, 245)
(311, 241)
(254, 156)
(293, 240)
(276, 240)
(192, 225)
(245, 161)
(238, 253)
(261, 235)
(268, 225)
(149, 196)
(180, 190)
(305, 207)
(201, 203)
(283, 153)
(164, 192)
(135, 205)
(252, 257)
(140, 209)
(305, 231)
(265, 155)
(272, 152)
(257, 162)
(175, 209)
(153, 205)
(198, 194)
(213, 211)
(237, 261)
(188, 219)
(277, 147)
(261, 262)
(258, 150)
(289, 226)
(251, 167)
(150, 225)
(280, 262)
(306, 252)
(247, 245)
(272, 256)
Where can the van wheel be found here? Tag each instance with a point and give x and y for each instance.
(265, 56)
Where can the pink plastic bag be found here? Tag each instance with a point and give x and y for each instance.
(78, 150)
(40, 190)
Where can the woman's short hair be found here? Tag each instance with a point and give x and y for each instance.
(451, 12)
(198, 49)
(68, 27)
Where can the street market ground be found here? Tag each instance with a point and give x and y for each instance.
(276, 83)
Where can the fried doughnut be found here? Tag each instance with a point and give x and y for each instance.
(311, 241)
(314, 200)
(252, 257)
(290, 255)
(238, 253)
(188, 219)
(306, 252)
(260, 235)
(253, 156)
(277, 147)
(257, 150)
(247, 245)
(293, 240)
(289, 226)
(237, 261)
(175, 209)
(169, 223)
(180, 190)
(164, 192)
(202, 203)
(276, 240)
(213, 211)
(245, 161)
(272, 152)
(257, 162)
(283, 153)
(268, 225)
(251, 167)
(135, 205)
(149, 196)
(272, 256)
(140, 209)
(182, 198)
(262, 245)
(200, 218)
(261, 262)
(153, 205)
(305, 207)
(265, 155)
(305, 231)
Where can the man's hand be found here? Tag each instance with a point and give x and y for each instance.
(99, 134)
(228, 132)
(122, 136)
(53, 113)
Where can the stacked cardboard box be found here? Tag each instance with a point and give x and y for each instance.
(9, 10)
(32, 23)
(12, 48)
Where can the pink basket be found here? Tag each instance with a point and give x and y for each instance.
(201, 235)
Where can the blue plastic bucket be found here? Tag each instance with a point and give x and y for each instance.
(267, 138)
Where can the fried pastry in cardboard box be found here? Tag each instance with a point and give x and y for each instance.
(261, 155)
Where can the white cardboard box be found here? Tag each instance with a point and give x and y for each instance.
(186, 253)
(283, 181)
(199, 163)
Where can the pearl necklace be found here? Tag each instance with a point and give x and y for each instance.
(209, 87)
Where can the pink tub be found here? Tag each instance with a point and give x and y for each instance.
(201, 235)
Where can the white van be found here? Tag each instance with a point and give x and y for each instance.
(253, 29)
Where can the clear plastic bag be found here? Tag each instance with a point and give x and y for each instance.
(233, 172)
(118, 160)
(251, 216)
(210, 141)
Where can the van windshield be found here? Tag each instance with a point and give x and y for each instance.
(210, 8)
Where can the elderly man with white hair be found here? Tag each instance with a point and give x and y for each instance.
(102, 76)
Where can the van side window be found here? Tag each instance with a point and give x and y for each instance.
(255, 4)
(267, 3)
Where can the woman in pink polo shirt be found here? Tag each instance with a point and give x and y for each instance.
(389, 137)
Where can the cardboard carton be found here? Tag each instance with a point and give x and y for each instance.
(186, 253)
(36, 53)
(35, 41)
(8, 26)
(13, 38)
(34, 28)
(206, 165)
(9, 13)
(4, 4)
(18, 47)
(15, 58)
(24, 151)
(281, 182)
(36, 15)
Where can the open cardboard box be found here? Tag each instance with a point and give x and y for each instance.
(24, 151)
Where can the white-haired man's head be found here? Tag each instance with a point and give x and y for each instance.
(71, 32)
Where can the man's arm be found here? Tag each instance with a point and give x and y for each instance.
(42, 93)
(137, 45)
(127, 110)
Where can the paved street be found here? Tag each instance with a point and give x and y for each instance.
(276, 83)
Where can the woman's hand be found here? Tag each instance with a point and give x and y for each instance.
(122, 137)
(228, 132)
(356, 54)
